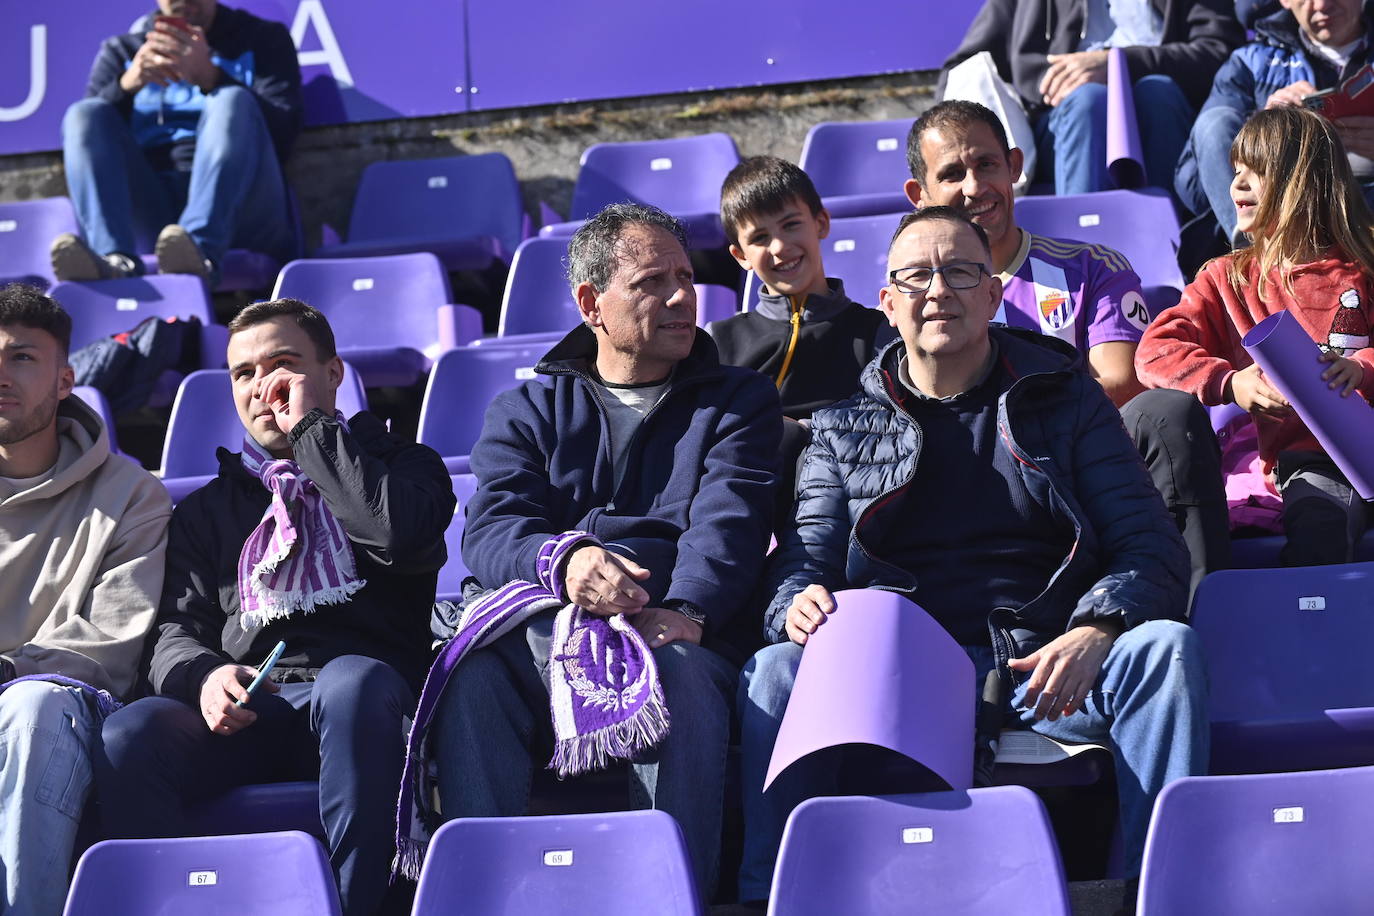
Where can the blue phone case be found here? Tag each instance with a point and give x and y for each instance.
(263, 671)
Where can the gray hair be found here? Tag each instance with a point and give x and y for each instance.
(592, 256)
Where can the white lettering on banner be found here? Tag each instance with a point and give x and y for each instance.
(311, 12)
(38, 77)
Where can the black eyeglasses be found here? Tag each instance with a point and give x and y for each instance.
(959, 275)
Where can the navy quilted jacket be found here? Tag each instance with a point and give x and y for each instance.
(1127, 561)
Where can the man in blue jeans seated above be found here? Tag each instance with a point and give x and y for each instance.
(1053, 53)
(1304, 47)
(983, 477)
(180, 137)
(628, 498)
(82, 537)
(326, 534)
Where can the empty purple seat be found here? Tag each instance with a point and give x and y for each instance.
(454, 570)
(391, 315)
(1291, 686)
(858, 167)
(204, 418)
(1141, 225)
(855, 251)
(27, 228)
(467, 210)
(682, 176)
(108, 307)
(93, 399)
(626, 863)
(259, 808)
(984, 851)
(461, 385)
(208, 876)
(1262, 844)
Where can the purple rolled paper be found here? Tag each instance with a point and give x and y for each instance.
(881, 671)
(1343, 426)
(1125, 156)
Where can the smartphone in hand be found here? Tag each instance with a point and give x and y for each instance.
(263, 671)
(176, 22)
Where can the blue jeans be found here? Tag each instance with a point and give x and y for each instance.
(1071, 138)
(46, 736)
(1148, 706)
(234, 195)
(1203, 178)
(495, 713)
(349, 726)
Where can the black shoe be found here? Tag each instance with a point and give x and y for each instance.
(73, 259)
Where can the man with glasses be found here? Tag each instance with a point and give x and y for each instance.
(981, 475)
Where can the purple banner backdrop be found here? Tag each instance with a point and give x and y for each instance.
(364, 61)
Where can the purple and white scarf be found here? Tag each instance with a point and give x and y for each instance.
(298, 557)
(604, 693)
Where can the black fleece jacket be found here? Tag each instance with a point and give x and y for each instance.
(394, 500)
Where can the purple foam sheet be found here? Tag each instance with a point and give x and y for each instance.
(881, 671)
(1343, 425)
(1125, 156)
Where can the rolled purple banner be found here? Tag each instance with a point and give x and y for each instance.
(881, 671)
(1125, 155)
(1343, 426)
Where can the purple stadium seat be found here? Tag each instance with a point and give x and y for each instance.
(1291, 685)
(1265, 844)
(461, 385)
(204, 418)
(855, 251)
(391, 315)
(465, 209)
(27, 228)
(454, 571)
(682, 176)
(109, 307)
(975, 852)
(625, 863)
(538, 300)
(93, 399)
(261, 808)
(208, 876)
(1115, 219)
(858, 167)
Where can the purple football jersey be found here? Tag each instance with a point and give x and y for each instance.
(1081, 293)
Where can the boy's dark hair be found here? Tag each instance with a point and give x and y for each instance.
(307, 318)
(948, 214)
(760, 186)
(955, 113)
(27, 307)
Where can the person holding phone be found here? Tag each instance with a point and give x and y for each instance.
(347, 586)
(180, 138)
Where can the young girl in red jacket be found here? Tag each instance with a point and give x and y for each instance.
(1312, 253)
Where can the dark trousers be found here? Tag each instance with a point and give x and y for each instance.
(1174, 435)
(348, 726)
(1323, 517)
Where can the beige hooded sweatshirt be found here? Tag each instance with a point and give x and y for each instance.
(81, 556)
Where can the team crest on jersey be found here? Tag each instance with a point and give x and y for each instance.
(1054, 305)
(1055, 309)
(1133, 310)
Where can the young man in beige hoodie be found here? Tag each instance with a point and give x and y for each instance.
(82, 538)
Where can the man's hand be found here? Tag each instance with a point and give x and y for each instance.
(1063, 671)
(188, 52)
(289, 395)
(1253, 393)
(1357, 134)
(148, 66)
(1069, 71)
(660, 626)
(808, 610)
(1290, 96)
(219, 692)
(1345, 374)
(605, 583)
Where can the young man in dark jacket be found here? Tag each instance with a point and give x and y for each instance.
(1298, 50)
(983, 476)
(180, 138)
(1054, 55)
(326, 534)
(645, 469)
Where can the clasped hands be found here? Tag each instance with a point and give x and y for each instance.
(606, 583)
(171, 54)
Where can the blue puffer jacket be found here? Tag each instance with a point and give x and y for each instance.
(695, 504)
(1127, 562)
(1275, 59)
